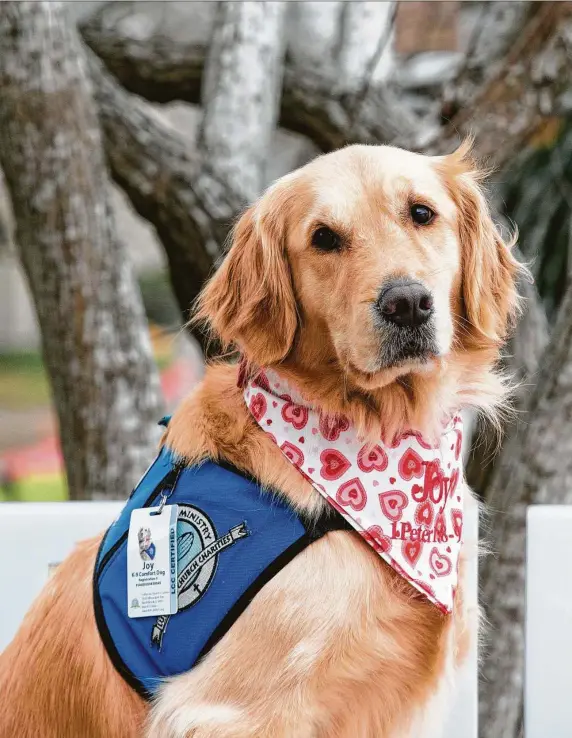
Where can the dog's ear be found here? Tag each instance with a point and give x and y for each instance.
(489, 270)
(250, 302)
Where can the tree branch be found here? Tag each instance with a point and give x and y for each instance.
(502, 117)
(162, 180)
(185, 196)
(498, 26)
(162, 70)
(514, 103)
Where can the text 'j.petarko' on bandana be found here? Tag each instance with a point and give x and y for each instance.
(404, 499)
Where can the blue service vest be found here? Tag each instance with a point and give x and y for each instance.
(256, 534)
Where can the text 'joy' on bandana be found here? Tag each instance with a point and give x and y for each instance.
(404, 499)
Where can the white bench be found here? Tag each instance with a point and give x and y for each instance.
(35, 536)
(39, 535)
(548, 678)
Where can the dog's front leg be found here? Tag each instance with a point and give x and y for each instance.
(193, 706)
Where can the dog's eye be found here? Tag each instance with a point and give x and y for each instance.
(421, 214)
(326, 240)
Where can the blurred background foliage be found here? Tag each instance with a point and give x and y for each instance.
(535, 192)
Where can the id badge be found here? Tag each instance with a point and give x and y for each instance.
(152, 562)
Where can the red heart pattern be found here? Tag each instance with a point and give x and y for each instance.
(422, 442)
(433, 482)
(440, 563)
(412, 551)
(457, 522)
(352, 493)
(258, 406)
(295, 414)
(372, 458)
(292, 453)
(410, 465)
(332, 425)
(334, 464)
(402, 498)
(377, 538)
(393, 503)
(458, 443)
(440, 526)
(424, 513)
(453, 481)
(261, 380)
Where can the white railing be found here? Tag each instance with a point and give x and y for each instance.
(548, 677)
(35, 536)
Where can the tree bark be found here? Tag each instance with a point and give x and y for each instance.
(94, 335)
(535, 466)
(511, 106)
(523, 355)
(241, 92)
(498, 26)
(160, 176)
(365, 55)
(543, 177)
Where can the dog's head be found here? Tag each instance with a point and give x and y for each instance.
(371, 265)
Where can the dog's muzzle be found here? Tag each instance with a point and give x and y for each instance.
(406, 318)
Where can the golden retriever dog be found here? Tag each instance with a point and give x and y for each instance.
(337, 644)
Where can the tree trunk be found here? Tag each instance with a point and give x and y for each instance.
(241, 92)
(94, 333)
(535, 466)
(315, 37)
(365, 54)
(524, 353)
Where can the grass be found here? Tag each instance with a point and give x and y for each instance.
(24, 383)
(48, 488)
(24, 387)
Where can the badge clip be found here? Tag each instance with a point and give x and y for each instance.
(165, 494)
(164, 498)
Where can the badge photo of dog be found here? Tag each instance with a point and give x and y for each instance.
(146, 545)
(373, 282)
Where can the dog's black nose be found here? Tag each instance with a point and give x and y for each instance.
(406, 304)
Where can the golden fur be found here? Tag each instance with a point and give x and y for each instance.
(337, 626)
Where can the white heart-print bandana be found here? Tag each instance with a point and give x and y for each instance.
(404, 499)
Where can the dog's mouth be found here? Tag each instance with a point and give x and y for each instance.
(411, 345)
(401, 352)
